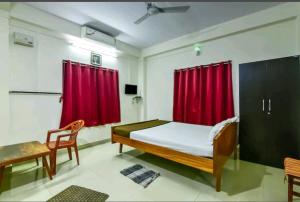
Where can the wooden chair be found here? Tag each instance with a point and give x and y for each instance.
(292, 170)
(74, 128)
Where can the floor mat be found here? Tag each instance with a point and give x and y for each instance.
(77, 193)
(140, 175)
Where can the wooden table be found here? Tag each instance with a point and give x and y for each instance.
(16, 153)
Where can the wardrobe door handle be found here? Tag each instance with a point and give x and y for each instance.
(270, 107)
(263, 105)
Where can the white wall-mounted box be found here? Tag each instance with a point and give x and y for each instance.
(23, 39)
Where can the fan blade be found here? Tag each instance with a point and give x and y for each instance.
(142, 19)
(177, 9)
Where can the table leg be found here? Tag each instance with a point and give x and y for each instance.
(1, 173)
(290, 188)
(45, 163)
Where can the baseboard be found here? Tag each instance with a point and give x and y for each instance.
(92, 144)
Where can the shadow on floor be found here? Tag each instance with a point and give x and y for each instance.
(238, 176)
(27, 172)
(22, 174)
(244, 176)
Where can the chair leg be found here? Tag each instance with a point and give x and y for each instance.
(290, 188)
(37, 161)
(51, 162)
(76, 152)
(70, 153)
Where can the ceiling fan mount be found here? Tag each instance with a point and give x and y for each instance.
(152, 9)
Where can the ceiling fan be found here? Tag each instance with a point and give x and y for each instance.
(152, 9)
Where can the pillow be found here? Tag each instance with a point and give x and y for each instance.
(218, 127)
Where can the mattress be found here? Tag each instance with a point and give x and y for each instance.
(188, 138)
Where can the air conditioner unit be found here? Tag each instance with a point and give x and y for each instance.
(23, 39)
(90, 33)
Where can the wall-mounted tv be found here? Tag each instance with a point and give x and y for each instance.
(130, 89)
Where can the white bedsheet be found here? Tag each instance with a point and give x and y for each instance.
(188, 138)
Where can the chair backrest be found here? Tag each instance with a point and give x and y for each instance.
(75, 128)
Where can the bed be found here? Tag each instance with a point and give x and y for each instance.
(187, 144)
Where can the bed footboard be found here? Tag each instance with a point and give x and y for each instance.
(224, 144)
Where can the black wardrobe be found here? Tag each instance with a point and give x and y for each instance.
(270, 110)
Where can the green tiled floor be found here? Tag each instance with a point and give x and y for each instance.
(101, 164)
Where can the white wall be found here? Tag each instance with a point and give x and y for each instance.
(39, 68)
(261, 42)
(4, 77)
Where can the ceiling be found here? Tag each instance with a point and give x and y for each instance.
(117, 18)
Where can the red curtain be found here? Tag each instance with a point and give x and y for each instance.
(203, 95)
(91, 94)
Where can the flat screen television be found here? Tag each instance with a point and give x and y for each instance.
(130, 89)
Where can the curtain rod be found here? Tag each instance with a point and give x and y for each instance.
(211, 64)
(34, 92)
(91, 66)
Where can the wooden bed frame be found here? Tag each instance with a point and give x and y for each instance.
(223, 145)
